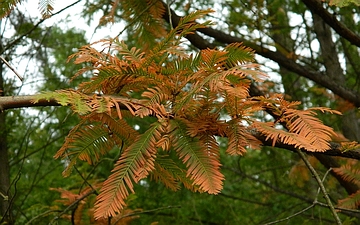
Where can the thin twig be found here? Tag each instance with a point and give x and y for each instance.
(318, 191)
(305, 209)
(289, 217)
(169, 12)
(17, 178)
(12, 68)
(35, 26)
(5, 197)
(86, 181)
(321, 185)
(41, 215)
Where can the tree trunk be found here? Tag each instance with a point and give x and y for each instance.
(5, 209)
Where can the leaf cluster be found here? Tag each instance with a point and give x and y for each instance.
(194, 98)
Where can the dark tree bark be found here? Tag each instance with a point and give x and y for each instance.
(5, 210)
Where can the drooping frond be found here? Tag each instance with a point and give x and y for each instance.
(277, 135)
(351, 202)
(154, 102)
(303, 128)
(176, 174)
(202, 167)
(167, 172)
(239, 138)
(132, 55)
(308, 127)
(87, 143)
(119, 130)
(46, 7)
(214, 75)
(134, 164)
(106, 80)
(111, 72)
(349, 173)
(210, 146)
(213, 59)
(203, 122)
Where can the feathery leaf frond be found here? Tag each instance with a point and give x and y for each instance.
(167, 172)
(282, 136)
(237, 54)
(240, 138)
(202, 167)
(134, 164)
(307, 126)
(87, 143)
(45, 7)
(350, 172)
(145, 16)
(195, 99)
(351, 202)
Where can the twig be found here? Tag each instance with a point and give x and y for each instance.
(305, 209)
(17, 178)
(41, 215)
(321, 185)
(86, 181)
(168, 3)
(5, 197)
(35, 26)
(289, 217)
(322, 181)
(12, 68)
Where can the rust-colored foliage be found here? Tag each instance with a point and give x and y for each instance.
(194, 99)
(81, 213)
(351, 173)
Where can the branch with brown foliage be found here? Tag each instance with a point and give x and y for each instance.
(24, 101)
(278, 57)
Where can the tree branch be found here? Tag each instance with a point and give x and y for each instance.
(14, 42)
(23, 101)
(321, 185)
(13, 102)
(316, 7)
(277, 57)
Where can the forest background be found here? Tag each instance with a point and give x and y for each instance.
(305, 51)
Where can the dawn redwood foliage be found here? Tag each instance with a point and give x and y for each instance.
(193, 99)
